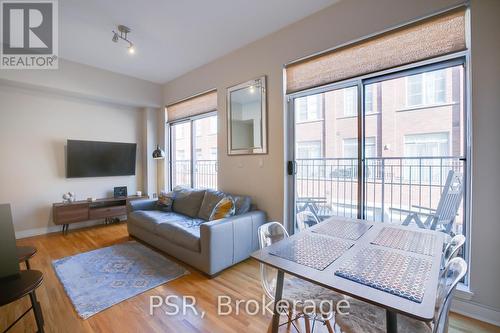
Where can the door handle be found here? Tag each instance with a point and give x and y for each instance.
(291, 168)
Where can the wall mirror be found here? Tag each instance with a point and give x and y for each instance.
(246, 117)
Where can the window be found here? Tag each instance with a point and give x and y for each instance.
(369, 99)
(350, 147)
(309, 149)
(213, 126)
(199, 153)
(426, 89)
(194, 162)
(213, 153)
(350, 102)
(424, 148)
(309, 108)
(180, 166)
(427, 145)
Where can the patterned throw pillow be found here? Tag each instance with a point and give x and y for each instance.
(224, 208)
(165, 201)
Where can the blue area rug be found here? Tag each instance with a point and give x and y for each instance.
(99, 279)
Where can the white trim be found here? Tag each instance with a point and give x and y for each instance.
(476, 311)
(54, 228)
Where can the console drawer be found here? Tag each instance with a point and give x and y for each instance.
(71, 214)
(104, 212)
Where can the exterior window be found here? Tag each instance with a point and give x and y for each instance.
(213, 153)
(181, 154)
(350, 102)
(213, 126)
(309, 108)
(350, 147)
(199, 154)
(369, 99)
(427, 145)
(426, 89)
(309, 149)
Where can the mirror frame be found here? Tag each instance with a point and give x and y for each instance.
(263, 112)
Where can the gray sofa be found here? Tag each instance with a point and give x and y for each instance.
(185, 233)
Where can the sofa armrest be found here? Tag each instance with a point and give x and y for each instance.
(143, 204)
(230, 240)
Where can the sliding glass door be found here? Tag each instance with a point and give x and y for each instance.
(379, 147)
(193, 152)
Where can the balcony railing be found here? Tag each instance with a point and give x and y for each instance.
(204, 175)
(392, 184)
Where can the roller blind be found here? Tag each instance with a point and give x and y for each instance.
(193, 106)
(428, 38)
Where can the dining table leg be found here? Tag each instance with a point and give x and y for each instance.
(391, 321)
(277, 298)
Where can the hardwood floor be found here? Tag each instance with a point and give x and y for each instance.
(132, 315)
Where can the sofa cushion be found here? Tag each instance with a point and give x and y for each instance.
(185, 232)
(150, 219)
(210, 200)
(242, 204)
(188, 202)
(223, 209)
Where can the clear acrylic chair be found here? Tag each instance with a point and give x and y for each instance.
(305, 218)
(452, 248)
(367, 318)
(296, 291)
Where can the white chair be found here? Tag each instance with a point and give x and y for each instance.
(451, 249)
(367, 318)
(296, 291)
(443, 217)
(304, 217)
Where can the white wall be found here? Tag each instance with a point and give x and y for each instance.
(41, 109)
(333, 26)
(88, 82)
(34, 128)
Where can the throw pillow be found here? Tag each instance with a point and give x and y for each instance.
(224, 208)
(210, 200)
(165, 201)
(242, 204)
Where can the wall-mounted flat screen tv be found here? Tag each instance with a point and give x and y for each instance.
(100, 159)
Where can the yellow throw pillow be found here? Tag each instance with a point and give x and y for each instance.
(223, 209)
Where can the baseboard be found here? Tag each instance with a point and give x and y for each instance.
(54, 228)
(476, 311)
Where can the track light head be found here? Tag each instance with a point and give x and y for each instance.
(131, 48)
(115, 37)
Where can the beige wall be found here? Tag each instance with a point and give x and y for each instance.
(485, 265)
(333, 26)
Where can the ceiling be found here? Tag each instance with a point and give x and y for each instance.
(172, 37)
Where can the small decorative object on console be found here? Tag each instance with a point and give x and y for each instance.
(138, 193)
(120, 191)
(68, 197)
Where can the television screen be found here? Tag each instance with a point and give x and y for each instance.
(100, 159)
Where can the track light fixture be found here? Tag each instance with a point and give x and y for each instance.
(122, 33)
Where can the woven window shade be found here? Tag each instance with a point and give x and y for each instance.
(436, 36)
(193, 106)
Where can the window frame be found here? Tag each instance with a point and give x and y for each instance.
(192, 150)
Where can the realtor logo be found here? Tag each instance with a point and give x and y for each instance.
(29, 34)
